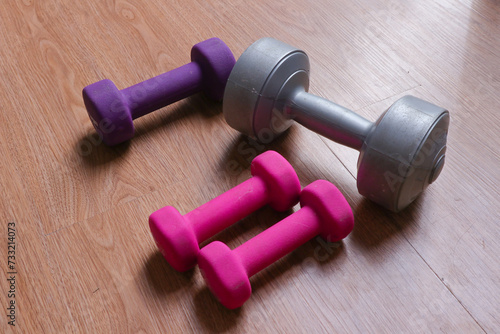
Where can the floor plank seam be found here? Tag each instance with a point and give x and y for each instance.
(447, 288)
(68, 226)
(389, 97)
(336, 156)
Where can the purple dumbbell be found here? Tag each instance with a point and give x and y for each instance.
(112, 111)
(274, 182)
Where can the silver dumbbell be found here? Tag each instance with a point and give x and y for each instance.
(400, 154)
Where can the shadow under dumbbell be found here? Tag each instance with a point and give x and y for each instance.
(249, 226)
(212, 315)
(376, 225)
(94, 152)
(217, 318)
(243, 150)
(194, 106)
(162, 278)
(316, 251)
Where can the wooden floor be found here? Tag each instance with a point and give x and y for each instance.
(85, 259)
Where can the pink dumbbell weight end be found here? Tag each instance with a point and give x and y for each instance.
(274, 182)
(324, 211)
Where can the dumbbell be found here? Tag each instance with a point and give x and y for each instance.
(400, 154)
(274, 182)
(324, 211)
(112, 111)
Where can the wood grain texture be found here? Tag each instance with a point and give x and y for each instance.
(86, 260)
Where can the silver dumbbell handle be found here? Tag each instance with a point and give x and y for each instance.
(329, 119)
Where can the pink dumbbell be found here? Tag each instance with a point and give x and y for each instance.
(274, 182)
(324, 211)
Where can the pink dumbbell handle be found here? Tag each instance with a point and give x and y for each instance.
(228, 208)
(278, 240)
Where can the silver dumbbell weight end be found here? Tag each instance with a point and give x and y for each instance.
(400, 154)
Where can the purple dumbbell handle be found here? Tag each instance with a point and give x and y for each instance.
(162, 90)
(278, 240)
(216, 215)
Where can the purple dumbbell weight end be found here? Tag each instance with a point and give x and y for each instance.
(112, 111)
